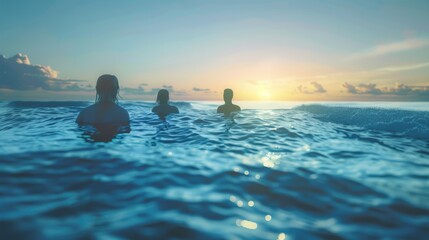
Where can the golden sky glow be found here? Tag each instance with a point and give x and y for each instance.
(267, 50)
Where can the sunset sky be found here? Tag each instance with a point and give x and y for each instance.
(264, 50)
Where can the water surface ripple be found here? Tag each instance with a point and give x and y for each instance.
(304, 171)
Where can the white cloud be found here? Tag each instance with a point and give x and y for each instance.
(20, 58)
(17, 73)
(203, 90)
(18, 77)
(389, 48)
(404, 68)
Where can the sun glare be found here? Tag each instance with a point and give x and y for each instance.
(264, 94)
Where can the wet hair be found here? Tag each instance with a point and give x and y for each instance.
(228, 94)
(163, 96)
(107, 89)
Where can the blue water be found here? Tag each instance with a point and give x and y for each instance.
(273, 171)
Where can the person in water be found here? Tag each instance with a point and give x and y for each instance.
(163, 108)
(105, 110)
(228, 107)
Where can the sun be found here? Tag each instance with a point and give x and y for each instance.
(264, 94)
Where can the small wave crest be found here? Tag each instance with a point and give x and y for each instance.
(32, 104)
(182, 104)
(409, 123)
(150, 104)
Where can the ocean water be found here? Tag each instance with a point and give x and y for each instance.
(280, 170)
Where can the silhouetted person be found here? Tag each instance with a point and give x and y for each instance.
(228, 107)
(105, 110)
(163, 108)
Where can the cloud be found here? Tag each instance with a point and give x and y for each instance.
(168, 87)
(371, 72)
(314, 87)
(350, 88)
(404, 68)
(18, 77)
(172, 90)
(402, 89)
(363, 88)
(204, 90)
(411, 92)
(17, 73)
(142, 91)
(369, 88)
(388, 48)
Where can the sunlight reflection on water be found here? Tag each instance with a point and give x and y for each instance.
(273, 171)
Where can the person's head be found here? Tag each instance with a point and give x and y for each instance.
(107, 88)
(163, 96)
(228, 94)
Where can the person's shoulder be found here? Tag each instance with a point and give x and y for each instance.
(237, 108)
(122, 111)
(174, 109)
(119, 108)
(83, 114)
(89, 108)
(155, 109)
(220, 109)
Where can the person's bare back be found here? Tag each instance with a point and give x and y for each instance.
(105, 110)
(103, 113)
(228, 107)
(163, 109)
